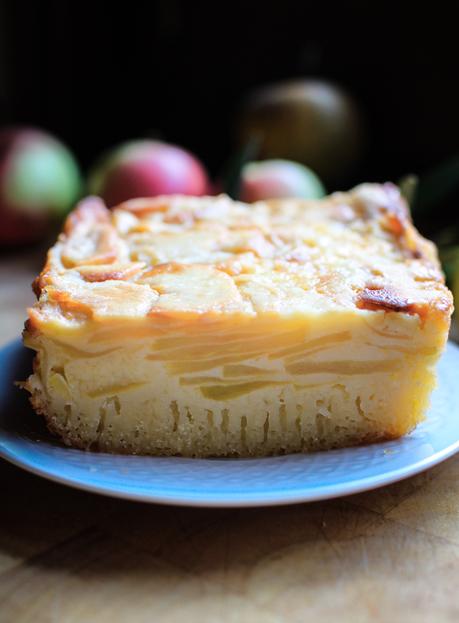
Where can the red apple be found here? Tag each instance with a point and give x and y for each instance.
(146, 169)
(455, 289)
(271, 179)
(39, 181)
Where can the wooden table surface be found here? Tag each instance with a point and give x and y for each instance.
(72, 557)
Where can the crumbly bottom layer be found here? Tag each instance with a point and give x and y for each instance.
(326, 419)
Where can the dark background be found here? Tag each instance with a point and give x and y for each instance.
(96, 74)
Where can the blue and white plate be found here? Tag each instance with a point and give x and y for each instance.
(226, 482)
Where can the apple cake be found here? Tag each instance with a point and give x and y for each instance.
(208, 327)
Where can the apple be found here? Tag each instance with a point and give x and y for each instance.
(39, 182)
(271, 179)
(147, 168)
(309, 121)
(456, 296)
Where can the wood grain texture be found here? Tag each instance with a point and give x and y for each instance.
(72, 557)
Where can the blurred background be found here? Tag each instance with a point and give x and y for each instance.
(355, 91)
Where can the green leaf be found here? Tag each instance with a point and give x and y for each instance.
(447, 237)
(233, 170)
(408, 187)
(437, 185)
(449, 257)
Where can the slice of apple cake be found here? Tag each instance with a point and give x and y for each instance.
(208, 327)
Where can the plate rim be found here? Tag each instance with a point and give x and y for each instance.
(229, 500)
(326, 492)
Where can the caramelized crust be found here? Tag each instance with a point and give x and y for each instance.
(207, 256)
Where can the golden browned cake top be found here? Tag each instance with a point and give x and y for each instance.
(187, 257)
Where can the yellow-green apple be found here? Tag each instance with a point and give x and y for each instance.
(312, 122)
(39, 182)
(269, 179)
